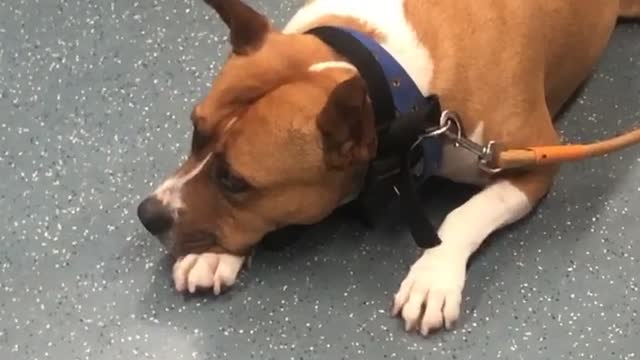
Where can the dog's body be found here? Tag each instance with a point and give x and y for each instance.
(506, 66)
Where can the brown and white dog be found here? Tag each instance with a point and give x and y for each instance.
(284, 133)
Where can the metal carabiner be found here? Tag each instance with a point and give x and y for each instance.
(485, 153)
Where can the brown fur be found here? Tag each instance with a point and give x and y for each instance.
(518, 82)
(630, 8)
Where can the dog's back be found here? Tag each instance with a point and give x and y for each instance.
(466, 40)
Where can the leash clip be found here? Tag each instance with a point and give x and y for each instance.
(486, 153)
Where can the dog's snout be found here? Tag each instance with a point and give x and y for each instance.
(155, 217)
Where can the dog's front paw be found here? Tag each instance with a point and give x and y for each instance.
(430, 295)
(206, 271)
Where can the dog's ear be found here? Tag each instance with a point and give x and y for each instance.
(248, 27)
(347, 124)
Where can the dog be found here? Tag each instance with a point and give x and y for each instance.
(288, 126)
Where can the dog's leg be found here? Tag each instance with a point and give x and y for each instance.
(630, 8)
(430, 295)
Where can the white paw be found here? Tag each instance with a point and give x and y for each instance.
(430, 296)
(206, 271)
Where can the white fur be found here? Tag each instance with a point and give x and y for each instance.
(170, 191)
(437, 278)
(206, 271)
(321, 66)
(386, 16)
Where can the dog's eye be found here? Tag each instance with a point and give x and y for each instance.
(229, 181)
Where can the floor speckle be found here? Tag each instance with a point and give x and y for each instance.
(95, 97)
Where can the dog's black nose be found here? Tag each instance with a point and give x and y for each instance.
(154, 216)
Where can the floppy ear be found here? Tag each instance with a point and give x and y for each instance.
(347, 125)
(248, 27)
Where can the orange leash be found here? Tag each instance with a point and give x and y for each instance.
(545, 155)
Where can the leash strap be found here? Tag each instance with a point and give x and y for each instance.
(402, 113)
(547, 155)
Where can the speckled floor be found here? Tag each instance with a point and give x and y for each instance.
(95, 97)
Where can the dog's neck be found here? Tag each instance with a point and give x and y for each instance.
(385, 22)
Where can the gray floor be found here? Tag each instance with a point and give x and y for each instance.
(95, 97)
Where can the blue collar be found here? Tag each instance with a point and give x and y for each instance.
(404, 91)
(402, 114)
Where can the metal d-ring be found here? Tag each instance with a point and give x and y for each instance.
(450, 117)
(446, 119)
(432, 132)
(445, 125)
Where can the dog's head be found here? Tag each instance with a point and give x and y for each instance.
(275, 142)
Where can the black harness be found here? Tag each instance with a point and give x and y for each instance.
(406, 156)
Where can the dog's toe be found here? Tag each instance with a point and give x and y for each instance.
(181, 271)
(202, 273)
(432, 318)
(226, 272)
